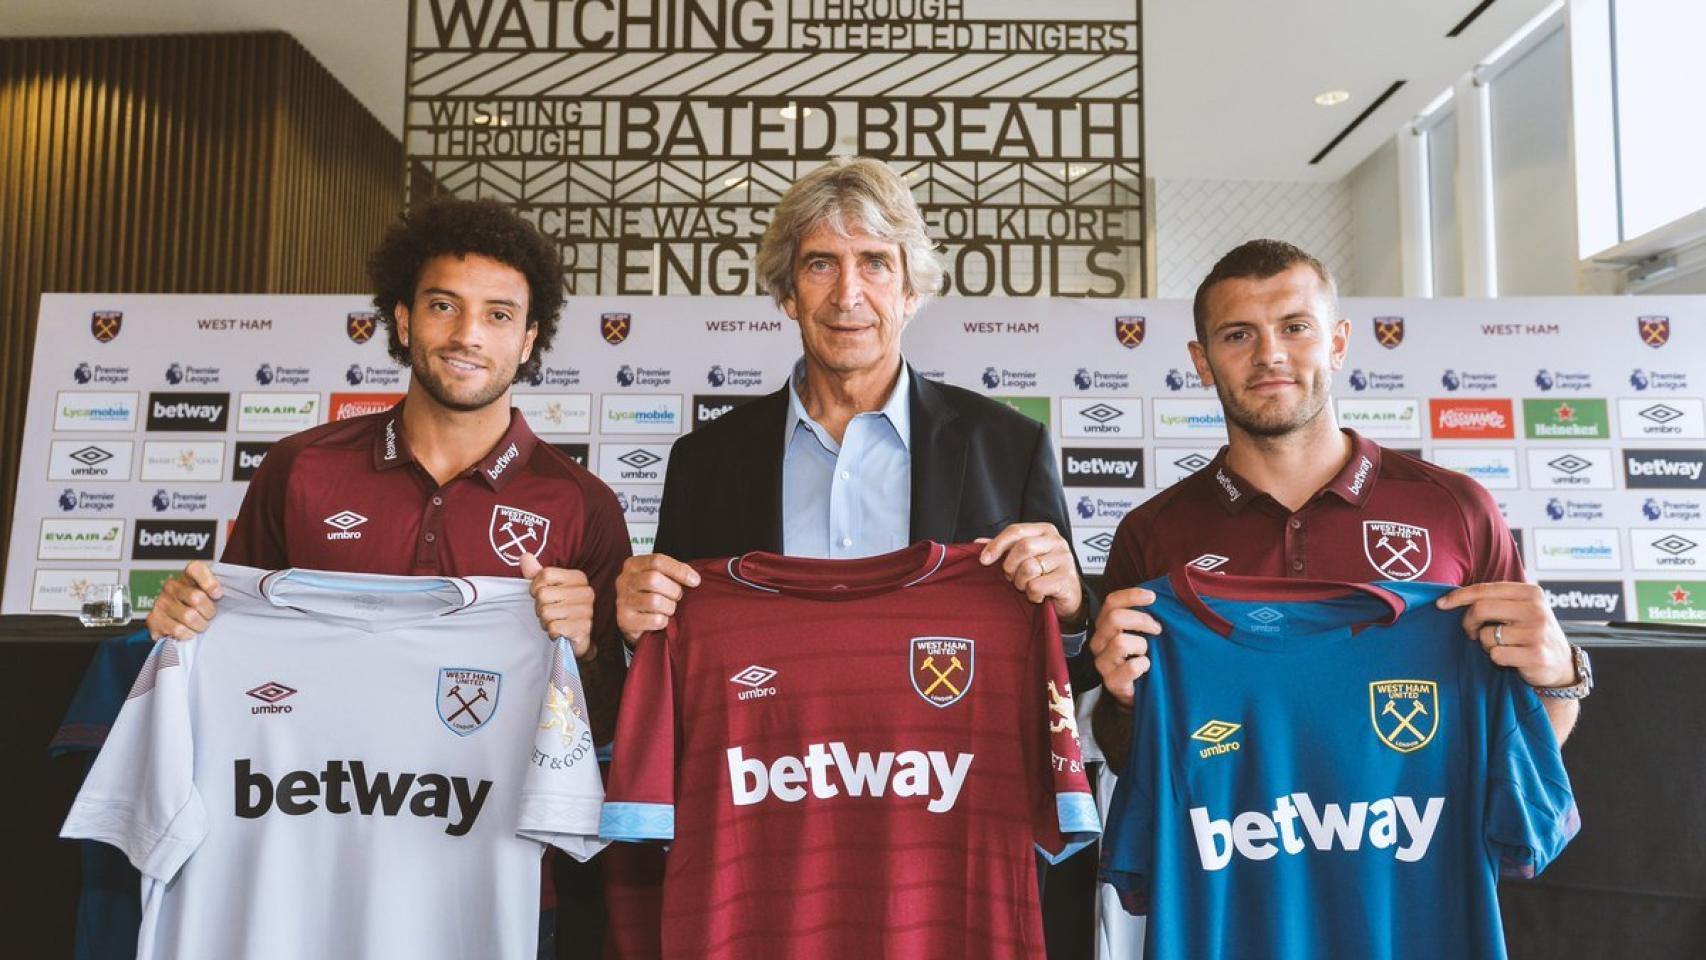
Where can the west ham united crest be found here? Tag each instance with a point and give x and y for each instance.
(941, 669)
(1129, 331)
(1655, 331)
(615, 326)
(1389, 331)
(1398, 551)
(515, 531)
(105, 324)
(467, 698)
(1405, 713)
(360, 325)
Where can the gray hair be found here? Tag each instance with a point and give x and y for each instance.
(844, 193)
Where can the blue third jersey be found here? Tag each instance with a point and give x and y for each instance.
(1328, 770)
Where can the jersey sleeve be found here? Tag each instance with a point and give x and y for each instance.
(1065, 819)
(1128, 849)
(257, 535)
(640, 803)
(1531, 810)
(140, 795)
(562, 792)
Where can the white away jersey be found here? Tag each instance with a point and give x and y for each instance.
(348, 765)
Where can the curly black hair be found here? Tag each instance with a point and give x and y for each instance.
(461, 227)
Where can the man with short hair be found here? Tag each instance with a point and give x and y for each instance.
(1294, 495)
(450, 481)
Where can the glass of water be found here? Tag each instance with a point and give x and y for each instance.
(105, 605)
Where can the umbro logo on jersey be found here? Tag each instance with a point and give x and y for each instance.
(828, 769)
(301, 792)
(756, 680)
(1208, 561)
(1215, 733)
(270, 693)
(1383, 823)
(344, 523)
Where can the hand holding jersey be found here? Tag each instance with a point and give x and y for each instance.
(1038, 563)
(1515, 625)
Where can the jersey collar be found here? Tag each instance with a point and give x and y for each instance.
(1353, 484)
(1189, 584)
(501, 464)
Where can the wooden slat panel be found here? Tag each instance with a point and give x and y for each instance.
(214, 163)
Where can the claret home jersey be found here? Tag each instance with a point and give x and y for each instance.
(851, 758)
(1328, 770)
(348, 765)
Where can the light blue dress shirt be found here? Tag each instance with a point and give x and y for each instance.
(853, 498)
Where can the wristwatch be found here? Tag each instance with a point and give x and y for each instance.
(1584, 679)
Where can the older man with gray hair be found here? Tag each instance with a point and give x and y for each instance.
(857, 455)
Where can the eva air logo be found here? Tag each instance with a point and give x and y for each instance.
(1583, 418)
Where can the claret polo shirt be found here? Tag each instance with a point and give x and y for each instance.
(1385, 516)
(350, 496)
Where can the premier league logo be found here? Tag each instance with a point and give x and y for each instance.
(625, 376)
(1129, 331)
(1389, 331)
(1543, 379)
(536, 378)
(715, 376)
(1655, 331)
(84, 373)
(1638, 379)
(105, 324)
(1555, 508)
(68, 499)
(467, 698)
(263, 374)
(1359, 380)
(941, 669)
(615, 326)
(1450, 380)
(162, 501)
(1397, 551)
(175, 373)
(514, 531)
(1175, 380)
(353, 376)
(1405, 713)
(1081, 379)
(1650, 509)
(1086, 508)
(622, 501)
(991, 379)
(360, 325)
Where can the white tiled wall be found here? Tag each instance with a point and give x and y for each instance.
(1197, 221)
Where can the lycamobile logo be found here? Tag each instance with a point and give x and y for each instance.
(1671, 601)
(1583, 418)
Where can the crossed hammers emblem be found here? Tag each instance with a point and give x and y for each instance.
(1404, 719)
(515, 540)
(942, 675)
(1397, 556)
(467, 705)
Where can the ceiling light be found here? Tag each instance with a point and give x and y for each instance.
(734, 181)
(1332, 98)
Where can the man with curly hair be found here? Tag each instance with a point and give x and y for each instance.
(450, 481)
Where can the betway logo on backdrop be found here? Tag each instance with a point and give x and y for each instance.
(174, 540)
(708, 407)
(189, 412)
(1101, 466)
(1664, 469)
(1584, 599)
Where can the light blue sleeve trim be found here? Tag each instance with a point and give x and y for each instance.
(1080, 825)
(637, 821)
(1077, 814)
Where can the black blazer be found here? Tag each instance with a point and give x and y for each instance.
(977, 466)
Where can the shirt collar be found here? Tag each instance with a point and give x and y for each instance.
(1353, 483)
(897, 408)
(497, 468)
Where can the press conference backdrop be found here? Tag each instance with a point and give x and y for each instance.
(1583, 417)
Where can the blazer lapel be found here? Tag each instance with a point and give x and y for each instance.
(938, 463)
(760, 470)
